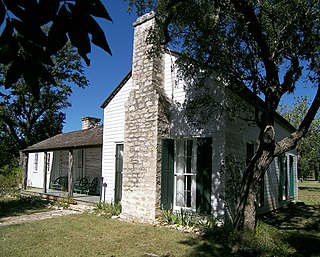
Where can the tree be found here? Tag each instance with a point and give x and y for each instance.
(24, 121)
(26, 50)
(268, 46)
(309, 161)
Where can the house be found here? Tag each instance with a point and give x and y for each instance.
(154, 157)
(65, 158)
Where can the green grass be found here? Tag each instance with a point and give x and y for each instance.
(291, 231)
(91, 235)
(309, 192)
(11, 204)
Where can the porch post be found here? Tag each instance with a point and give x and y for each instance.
(70, 173)
(24, 159)
(44, 186)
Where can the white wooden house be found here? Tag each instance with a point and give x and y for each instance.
(154, 157)
(70, 156)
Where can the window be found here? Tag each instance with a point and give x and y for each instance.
(283, 179)
(185, 174)
(48, 162)
(36, 157)
(119, 173)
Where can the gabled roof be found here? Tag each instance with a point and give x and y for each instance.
(116, 90)
(85, 138)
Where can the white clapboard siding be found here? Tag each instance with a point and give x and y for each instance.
(177, 91)
(238, 133)
(229, 133)
(113, 133)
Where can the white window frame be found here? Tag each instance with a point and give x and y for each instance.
(180, 170)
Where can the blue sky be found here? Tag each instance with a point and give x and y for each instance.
(105, 71)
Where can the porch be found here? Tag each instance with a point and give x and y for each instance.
(56, 195)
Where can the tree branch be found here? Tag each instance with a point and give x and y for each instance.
(291, 75)
(291, 141)
(255, 30)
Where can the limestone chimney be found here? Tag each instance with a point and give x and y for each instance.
(90, 122)
(146, 125)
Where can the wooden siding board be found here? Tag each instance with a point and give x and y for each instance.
(114, 118)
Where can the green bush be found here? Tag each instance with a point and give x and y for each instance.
(10, 176)
(189, 219)
(108, 209)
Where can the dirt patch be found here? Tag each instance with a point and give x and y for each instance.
(42, 215)
(35, 216)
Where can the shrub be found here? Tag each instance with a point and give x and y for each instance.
(189, 219)
(108, 209)
(10, 176)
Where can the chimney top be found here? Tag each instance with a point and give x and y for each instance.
(90, 122)
(144, 18)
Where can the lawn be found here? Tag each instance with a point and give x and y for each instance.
(291, 231)
(92, 235)
(11, 204)
(309, 192)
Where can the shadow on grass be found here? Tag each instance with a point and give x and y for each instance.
(291, 231)
(306, 243)
(313, 189)
(15, 205)
(301, 226)
(214, 243)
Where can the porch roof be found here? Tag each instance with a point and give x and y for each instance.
(77, 139)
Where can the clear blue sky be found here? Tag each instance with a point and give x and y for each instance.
(105, 71)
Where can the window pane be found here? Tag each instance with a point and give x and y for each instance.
(188, 190)
(179, 191)
(189, 165)
(184, 168)
(189, 147)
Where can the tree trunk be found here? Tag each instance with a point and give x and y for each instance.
(245, 217)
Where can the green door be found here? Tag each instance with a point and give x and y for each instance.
(204, 175)
(167, 174)
(291, 177)
(119, 172)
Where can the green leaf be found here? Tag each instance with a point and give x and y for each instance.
(32, 33)
(8, 45)
(35, 51)
(14, 7)
(78, 35)
(57, 37)
(2, 13)
(14, 72)
(36, 69)
(98, 36)
(7, 32)
(96, 8)
(46, 11)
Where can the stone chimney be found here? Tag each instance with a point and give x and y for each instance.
(146, 124)
(90, 122)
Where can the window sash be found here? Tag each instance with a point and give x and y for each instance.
(185, 173)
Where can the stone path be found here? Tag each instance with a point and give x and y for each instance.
(76, 209)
